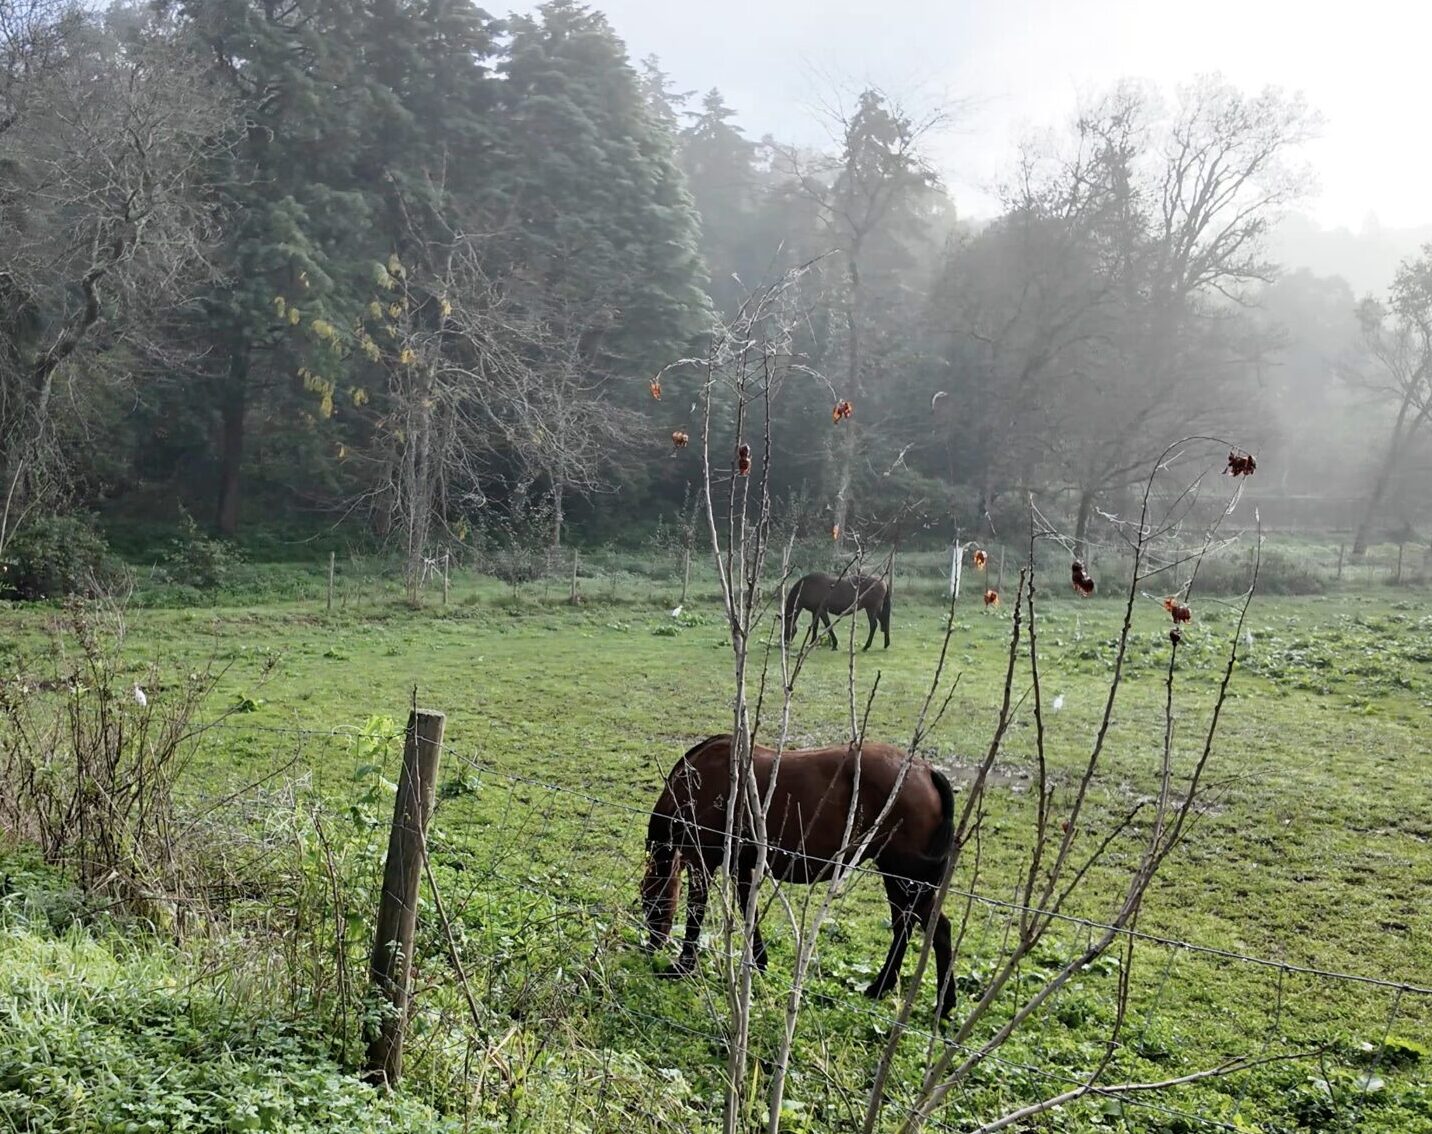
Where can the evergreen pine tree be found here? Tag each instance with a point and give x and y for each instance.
(603, 230)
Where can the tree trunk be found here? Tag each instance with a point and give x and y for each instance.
(231, 447)
(1081, 524)
(844, 459)
(1379, 486)
(556, 515)
(843, 451)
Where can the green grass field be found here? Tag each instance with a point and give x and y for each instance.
(1312, 851)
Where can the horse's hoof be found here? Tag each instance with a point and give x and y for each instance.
(678, 971)
(878, 990)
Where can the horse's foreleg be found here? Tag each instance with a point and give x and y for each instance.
(902, 924)
(745, 896)
(695, 915)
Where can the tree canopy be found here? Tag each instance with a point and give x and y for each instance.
(404, 264)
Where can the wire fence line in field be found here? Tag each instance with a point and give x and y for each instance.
(622, 910)
(575, 852)
(582, 848)
(587, 796)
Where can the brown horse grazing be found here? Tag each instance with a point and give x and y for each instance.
(824, 595)
(806, 829)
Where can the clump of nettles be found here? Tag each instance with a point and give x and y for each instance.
(197, 560)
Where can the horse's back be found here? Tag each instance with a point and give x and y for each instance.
(814, 791)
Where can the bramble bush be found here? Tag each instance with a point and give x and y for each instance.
(58, 556)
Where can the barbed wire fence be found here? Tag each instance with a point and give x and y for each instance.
(540, 932)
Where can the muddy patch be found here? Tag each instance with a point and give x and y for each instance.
(1008, 777)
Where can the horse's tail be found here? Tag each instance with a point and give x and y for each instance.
(942, 842)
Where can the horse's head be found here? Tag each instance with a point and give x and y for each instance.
(791, 614)
(660, 889)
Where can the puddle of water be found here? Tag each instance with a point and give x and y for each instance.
(1000, 776)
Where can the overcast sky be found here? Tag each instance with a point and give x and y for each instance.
(1025, 64)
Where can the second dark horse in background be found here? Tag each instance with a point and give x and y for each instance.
(824, 595)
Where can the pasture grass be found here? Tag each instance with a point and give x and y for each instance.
(1313, 850)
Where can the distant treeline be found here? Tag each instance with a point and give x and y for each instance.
(414, 267)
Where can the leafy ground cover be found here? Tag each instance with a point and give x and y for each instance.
(1311, 853)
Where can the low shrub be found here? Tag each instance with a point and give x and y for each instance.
(1279, 573)
(194, 559)
(97, 1041)
(57, 556)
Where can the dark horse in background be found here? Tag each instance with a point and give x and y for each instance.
(824, 595)
(806, 836)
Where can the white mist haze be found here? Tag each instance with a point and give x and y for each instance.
(1025, 66)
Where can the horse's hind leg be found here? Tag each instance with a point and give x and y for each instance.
(829, 629)
(744, 896)
(902, 924)
(944, 978)
(695, 915)
(870, 614)
(945, 989)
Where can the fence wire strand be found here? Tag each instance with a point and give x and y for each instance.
(517, 829)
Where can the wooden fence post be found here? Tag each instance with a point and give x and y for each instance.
(685, 572)
(390, 970)
(330, 582)
(574, 596)
(1341, 548)
(447, 563)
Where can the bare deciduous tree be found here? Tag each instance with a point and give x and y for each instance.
(866, 195)
(473, 383)
(1072, 855)
(1109, 299)
(1397, 340)
(106, 207)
